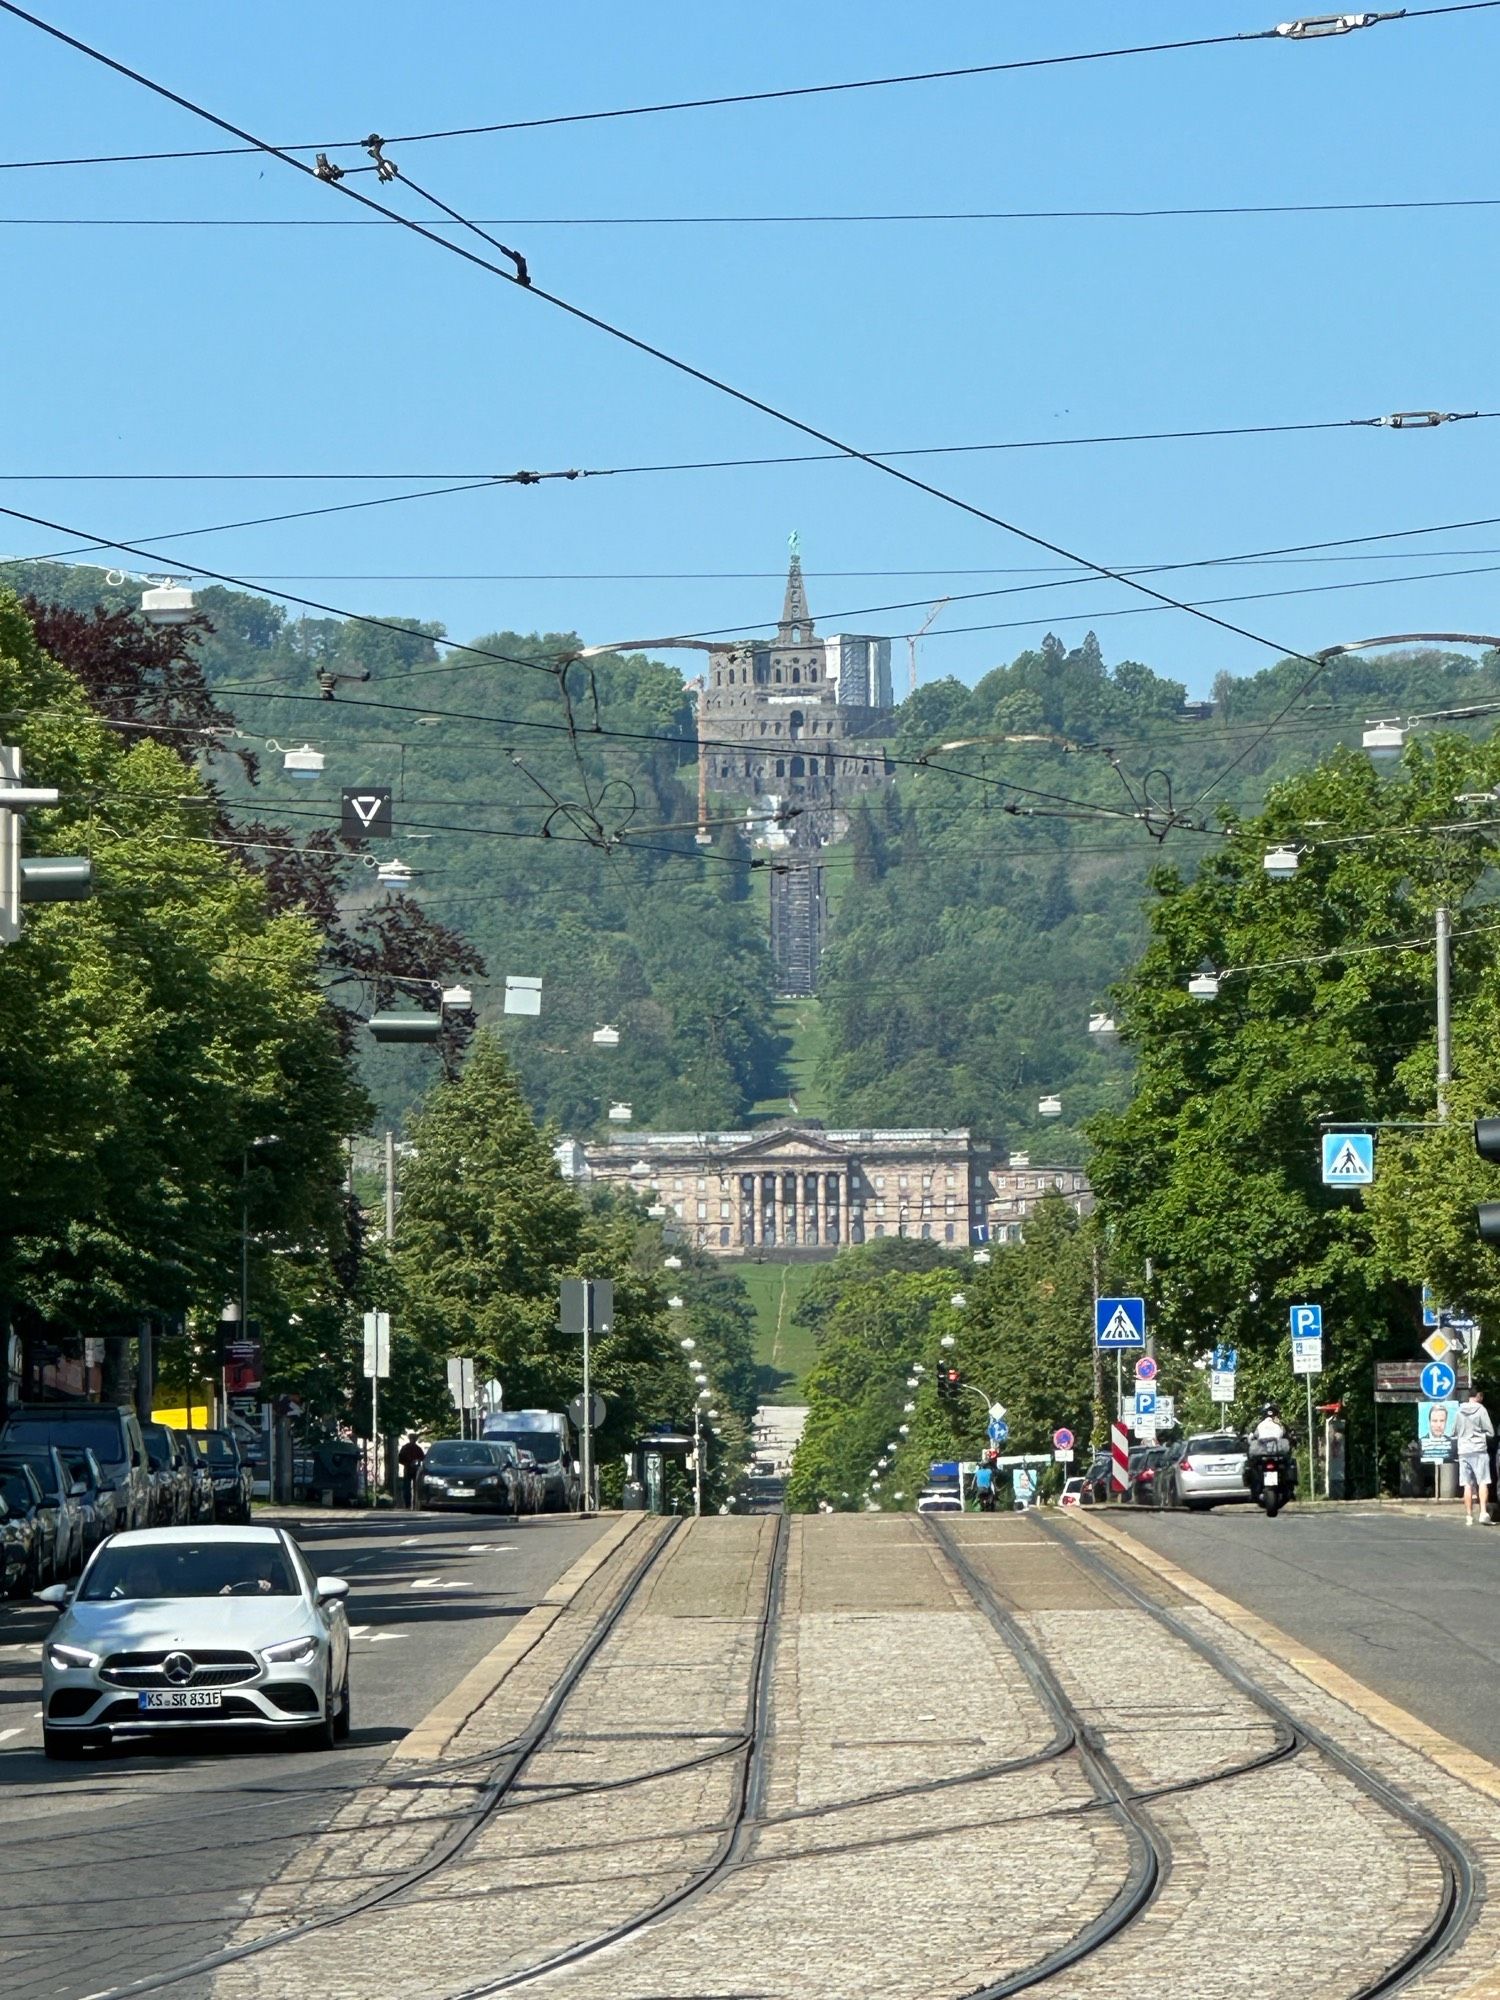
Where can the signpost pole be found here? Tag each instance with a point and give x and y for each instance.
(587, 1427)
(1312, 1449)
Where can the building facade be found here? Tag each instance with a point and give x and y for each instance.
(797, 718)
(795, 1190)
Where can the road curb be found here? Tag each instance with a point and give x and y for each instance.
(1407, 1729)
(432, 1735)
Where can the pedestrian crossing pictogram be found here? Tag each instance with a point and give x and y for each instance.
(1348, 1159)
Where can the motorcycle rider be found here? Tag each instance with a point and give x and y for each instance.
(1270, 1425)
(1270, 1440)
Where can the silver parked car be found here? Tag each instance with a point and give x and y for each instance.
(219, 1627)
(1204, 1470)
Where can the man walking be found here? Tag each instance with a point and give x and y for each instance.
(1472, 1433)
(410, 1458)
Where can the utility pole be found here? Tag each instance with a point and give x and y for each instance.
(1444, 1011)
(390, 1190)
(697, 1461)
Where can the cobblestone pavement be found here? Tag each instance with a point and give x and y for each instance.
(912, 1827)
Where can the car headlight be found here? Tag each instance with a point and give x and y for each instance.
(433, 1479)
(71, 1656)
(492, 1480)
(291, 1652)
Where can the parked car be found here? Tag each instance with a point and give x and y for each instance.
(550, 1438)
(533, 1487)
(101, 1501)
(205, 1627)
(200, 1480)
(25, 1511)
(110, 1432)
(171, 1476)
(16, 1538)
(1205, 1470)
(1072, 1493)
(1096, 1481)
(471, 1473)
(1145, 1487)
(57, 1496)
(230, 1475)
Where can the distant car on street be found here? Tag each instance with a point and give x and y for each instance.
(939, 1500)
(231, 1477)
(1096, 1481)
(212, 1627)
(25, 1500)
(1072, 1493)
(200, 1480)
(550, 1438)
(17, 1536)
(171, 1476)
(472, 1474)
(66, 1512)
(1205, 1470)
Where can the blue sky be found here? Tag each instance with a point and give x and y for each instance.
(337, 349)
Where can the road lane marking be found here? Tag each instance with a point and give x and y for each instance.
(6, 1733)
(382, 1636)
(358, 1631)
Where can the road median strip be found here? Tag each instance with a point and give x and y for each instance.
(429, 1740)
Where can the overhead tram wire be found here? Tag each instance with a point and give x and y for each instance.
(523, 282)
(724, 100)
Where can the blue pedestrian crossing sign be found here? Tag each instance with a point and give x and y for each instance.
(1438, 1381)
(1119, 1323)
(1348, 1159)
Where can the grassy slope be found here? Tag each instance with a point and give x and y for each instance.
(783, 1352)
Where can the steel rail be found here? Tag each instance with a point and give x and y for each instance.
(512, 1762)
(1457, 1902)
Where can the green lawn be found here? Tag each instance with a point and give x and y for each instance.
(801, 1022)
(783, 1352)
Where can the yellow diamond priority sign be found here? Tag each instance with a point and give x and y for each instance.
(1437, 1344)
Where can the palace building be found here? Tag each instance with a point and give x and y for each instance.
(799, 1191)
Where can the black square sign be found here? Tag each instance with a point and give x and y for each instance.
(366, 814)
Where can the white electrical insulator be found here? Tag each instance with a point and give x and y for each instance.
(305, 763)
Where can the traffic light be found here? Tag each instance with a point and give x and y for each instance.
(950, 1381)
(1487, 1145)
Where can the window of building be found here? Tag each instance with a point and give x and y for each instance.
(901, 1183)
(880, 1229)
(723, 1211)
(723, 1239)
(880, 1182)
(812, 767)
(781, 767)
(799, 769)
(677, 1187)
(796, 722)
(812, 673)
(927, 1231)
(796, 677)
(777, 674)
(948, 1233)
(703, 1211)
(723, 770)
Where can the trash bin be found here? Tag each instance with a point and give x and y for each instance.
(634, 1499)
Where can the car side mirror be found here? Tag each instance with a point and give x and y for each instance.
(78, 1489)
(331, 1589)
(57, 1595)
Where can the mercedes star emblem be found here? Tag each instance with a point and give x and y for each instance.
(178, 1668)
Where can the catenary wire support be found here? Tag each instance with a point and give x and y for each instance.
(1313, 27)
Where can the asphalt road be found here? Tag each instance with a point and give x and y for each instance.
(1408, 1603)
(148, 1856)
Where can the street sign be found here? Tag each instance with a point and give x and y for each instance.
(1119, 1456)
(1307, 1340)
(1398, 1381)
(1348, 1159)
(1064, 1457)
(461, 1381)
(997, 1411)
(1119, 1323)
(1145, 1403)
(999, 1430)
(1226, 1359)
(366, 813)
(597, 1410)
(1062, 1438)
(1437, 1345)
(377, 1344)
(1438, 1382)
(1145, 1368)
(1166, 1412)
(1221, 1385)
(1432, 1312)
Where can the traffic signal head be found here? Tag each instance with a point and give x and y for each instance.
(1488, 1216)
(1487, 1138)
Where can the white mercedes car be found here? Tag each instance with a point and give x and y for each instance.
(224, 1628)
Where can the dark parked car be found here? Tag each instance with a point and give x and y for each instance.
(108, 1431)
(100, 1501)
(66, 1514)
(26, 1502)
(1145, 1485)
(200, 1482)
(1096, 1488)
(17, 1536)
(171, 1476)
(471, 1473)
(231, 1477)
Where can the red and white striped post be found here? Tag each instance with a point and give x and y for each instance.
(1119, 1451)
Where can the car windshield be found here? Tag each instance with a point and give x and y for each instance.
(216, 1448)
(458, 1451)
(46, 1472)
(16, 1489)
(1222, 1442)
(158, 1446)
(544, 1446)
(188, 1569)
(98, 1432)
(79, 1467)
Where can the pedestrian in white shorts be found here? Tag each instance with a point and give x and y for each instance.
(1472, 1433)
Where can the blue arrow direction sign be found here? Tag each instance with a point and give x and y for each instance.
(1119, 1323)
(999, 1430)
(1438, 1381)
(1348, 1159)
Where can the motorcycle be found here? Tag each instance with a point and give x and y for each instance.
(1271, 1474)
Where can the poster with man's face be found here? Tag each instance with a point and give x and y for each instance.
(1435, 1422)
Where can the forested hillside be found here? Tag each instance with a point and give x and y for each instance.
(984, 905)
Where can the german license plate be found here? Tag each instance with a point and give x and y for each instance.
(461, 1492)
(154, 1700)
(1271, 1476)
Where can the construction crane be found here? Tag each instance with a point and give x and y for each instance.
(912, 637)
